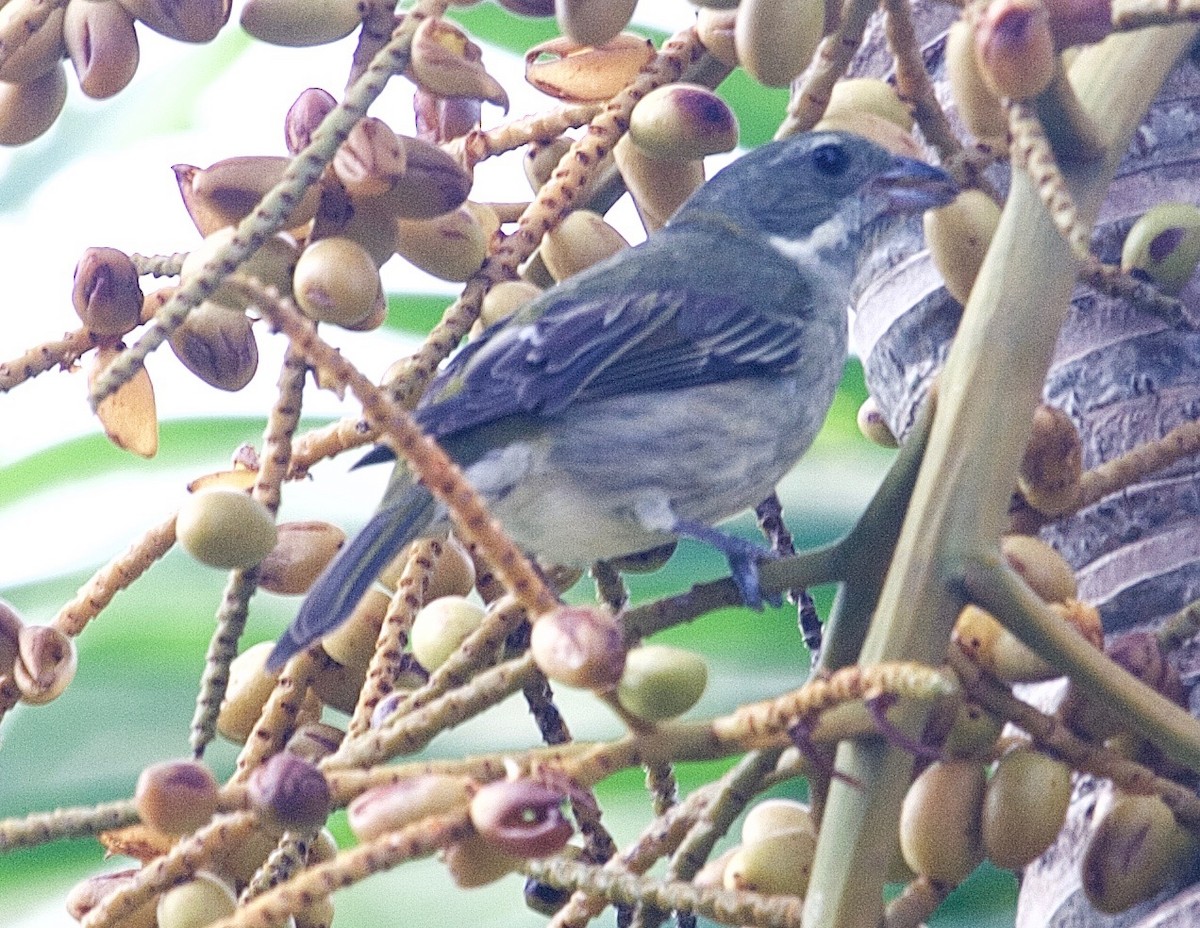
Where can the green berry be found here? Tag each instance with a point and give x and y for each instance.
(1164, 245)
(228, 529)
(441, 626)
(661, 682)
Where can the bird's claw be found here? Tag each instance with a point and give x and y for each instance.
(743, 557)
(743, 567)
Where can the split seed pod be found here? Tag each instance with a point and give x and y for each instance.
(1137, 849)
(106, 294)
(578, 73)
(593, 22)
(302, 550)
(442, 119)
(89, 893)
(46, 663)
(102, 45)
(315, 741)
(338, 686)
(776, 39)
(958, 235)
(300, 23)
(129, 416)
(304, 116)
(521, 818)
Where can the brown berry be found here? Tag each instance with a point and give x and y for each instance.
(292, 790)
(176, 797)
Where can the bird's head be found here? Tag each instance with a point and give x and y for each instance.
(788, 189)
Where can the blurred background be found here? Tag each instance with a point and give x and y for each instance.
(69, 501)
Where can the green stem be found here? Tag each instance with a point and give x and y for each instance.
(992, 586)
(864, 554)
(960, 500)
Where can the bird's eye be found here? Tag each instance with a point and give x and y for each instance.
(830, 159)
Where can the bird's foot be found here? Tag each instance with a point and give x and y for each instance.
(743, 557)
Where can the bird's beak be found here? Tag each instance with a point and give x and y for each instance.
(910, 186)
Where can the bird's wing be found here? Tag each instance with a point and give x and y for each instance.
(613, 331)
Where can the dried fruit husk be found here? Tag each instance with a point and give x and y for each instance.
(578, 73)
(448, 64)
(130, 415)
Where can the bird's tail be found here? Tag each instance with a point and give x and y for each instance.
(338, 590)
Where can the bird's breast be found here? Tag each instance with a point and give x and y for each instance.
(571, 489)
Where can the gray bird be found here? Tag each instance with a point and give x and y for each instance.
(663, 390)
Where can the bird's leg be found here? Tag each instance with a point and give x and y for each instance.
(743, 557)
(770, 519)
